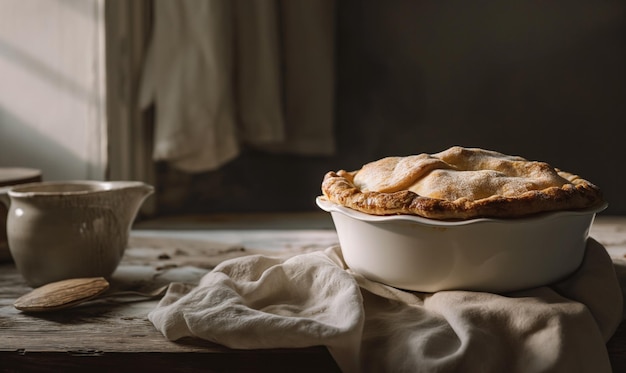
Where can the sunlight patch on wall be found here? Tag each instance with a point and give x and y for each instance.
(52, 96)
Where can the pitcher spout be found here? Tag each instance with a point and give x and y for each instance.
(131, 194)
(135, 189)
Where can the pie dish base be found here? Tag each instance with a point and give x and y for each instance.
(491, 255)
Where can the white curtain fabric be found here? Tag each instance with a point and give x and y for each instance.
(221, 73)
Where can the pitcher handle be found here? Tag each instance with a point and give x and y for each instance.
(4, 196)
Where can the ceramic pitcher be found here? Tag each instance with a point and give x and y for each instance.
(70, 229)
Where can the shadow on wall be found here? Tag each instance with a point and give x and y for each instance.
(52, 97)
(23, 146)
(38, 68)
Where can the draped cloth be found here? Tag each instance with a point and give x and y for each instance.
(314, 299)
(221, 73)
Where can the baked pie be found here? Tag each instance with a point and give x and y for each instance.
(459, 183)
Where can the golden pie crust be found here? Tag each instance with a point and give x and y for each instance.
(459, 183)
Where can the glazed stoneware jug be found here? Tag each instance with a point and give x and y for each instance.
(70, 229)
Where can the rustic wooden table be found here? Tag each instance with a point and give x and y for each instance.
(115, 334)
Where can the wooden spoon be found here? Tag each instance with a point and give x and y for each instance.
(69, 293)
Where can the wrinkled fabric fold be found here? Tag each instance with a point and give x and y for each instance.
(307, 300)
(313, 299)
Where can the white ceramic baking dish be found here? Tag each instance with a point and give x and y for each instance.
(493, 255)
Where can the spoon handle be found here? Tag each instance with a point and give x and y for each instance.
(144, 294)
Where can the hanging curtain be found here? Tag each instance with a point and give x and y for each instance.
(223, 73)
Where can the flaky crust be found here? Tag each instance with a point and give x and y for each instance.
(406, 185)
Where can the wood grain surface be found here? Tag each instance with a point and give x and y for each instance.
(115, 335)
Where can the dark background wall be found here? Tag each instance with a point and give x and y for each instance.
(542, 79)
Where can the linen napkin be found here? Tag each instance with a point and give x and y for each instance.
(314, 299)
